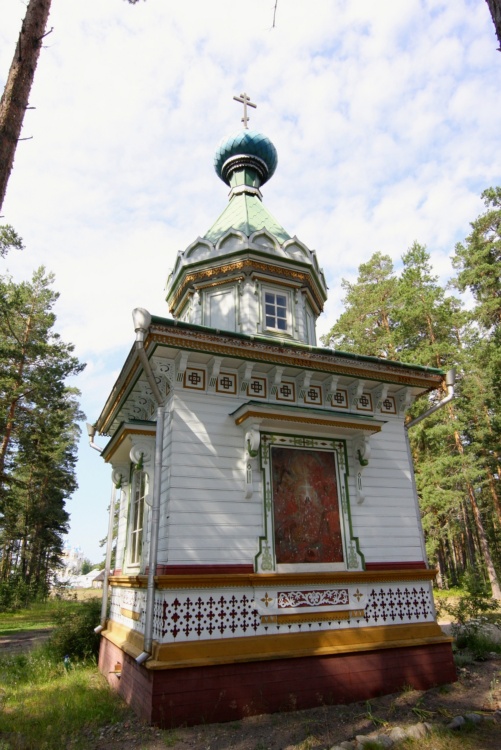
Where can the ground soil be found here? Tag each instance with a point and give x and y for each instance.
(478, 689)
(22, 641)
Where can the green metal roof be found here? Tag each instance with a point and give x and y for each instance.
(247, 214)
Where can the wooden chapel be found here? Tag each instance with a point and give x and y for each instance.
(270, 549)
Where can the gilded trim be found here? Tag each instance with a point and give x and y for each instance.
(282, 646)
(301, 277)
(279, 417)
(264, 580)
(332, 616)
(136, 616)
(213, 344)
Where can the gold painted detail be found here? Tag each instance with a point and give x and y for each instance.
(358, 595)
(279, 417)
(342, 614)
(270, 580)
(304, 278)
(136, 616)
(272, 353)
(267, 599)
(126, 433)
(281, 646)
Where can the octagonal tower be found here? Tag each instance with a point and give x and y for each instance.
(247, 274)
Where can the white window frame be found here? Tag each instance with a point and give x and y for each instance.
(208, 294)
(269, 314)
(139, 492)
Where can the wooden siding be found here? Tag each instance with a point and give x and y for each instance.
(386, 523)
(205, 518)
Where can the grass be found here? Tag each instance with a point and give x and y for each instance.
(46, 706)
(484, 737)
(40, 615)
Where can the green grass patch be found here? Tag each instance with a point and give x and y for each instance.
(484, 736)
(45, 705)
(39, 615)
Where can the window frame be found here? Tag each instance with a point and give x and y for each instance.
(265, 560)
(139, 493)
(288, 318)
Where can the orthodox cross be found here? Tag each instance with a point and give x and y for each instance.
(245, 100)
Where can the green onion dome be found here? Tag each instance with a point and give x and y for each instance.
(247, 149)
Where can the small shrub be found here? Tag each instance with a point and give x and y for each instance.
(469, 617)
(74, 633)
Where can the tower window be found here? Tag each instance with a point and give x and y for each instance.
(275, 311)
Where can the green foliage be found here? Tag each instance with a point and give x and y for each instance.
(9, 240)
(472, 614)
(38, 425)
(368, 322)
(74, 634)
(48, 707)
(479, 261)
(87, 566)
(411, 317)
(16, 593)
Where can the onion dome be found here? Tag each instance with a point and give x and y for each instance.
(246, 150)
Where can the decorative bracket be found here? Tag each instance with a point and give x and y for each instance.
(141, 454)
(404, 399)
(252, 443)
(164, 373)
(245, 375)
(379, 395)
(355, 391)
(120, 476)
(277, 379)
(331, 388)
(216, 366)
(304, 383)
(141, 402)
(181, 362)
(362, 454)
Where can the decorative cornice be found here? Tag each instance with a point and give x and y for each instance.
(265, 351)
(263, 580)
(276, 416)
(303, 278)
(113, 445)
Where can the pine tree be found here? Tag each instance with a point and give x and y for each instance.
(38, 415)
(367, 325)
(15, 98)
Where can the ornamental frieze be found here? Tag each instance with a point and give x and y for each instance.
(303, 278)
(290, 599)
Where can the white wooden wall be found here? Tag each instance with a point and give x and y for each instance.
(387, 521)
(206, 519)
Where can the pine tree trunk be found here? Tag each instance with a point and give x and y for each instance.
(482, 536)
(495, 9)
(17, 90)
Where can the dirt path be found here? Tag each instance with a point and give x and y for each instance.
(19, 642)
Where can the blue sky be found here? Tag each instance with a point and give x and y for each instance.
(385, 117)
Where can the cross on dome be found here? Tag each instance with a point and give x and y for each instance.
(245, 100)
